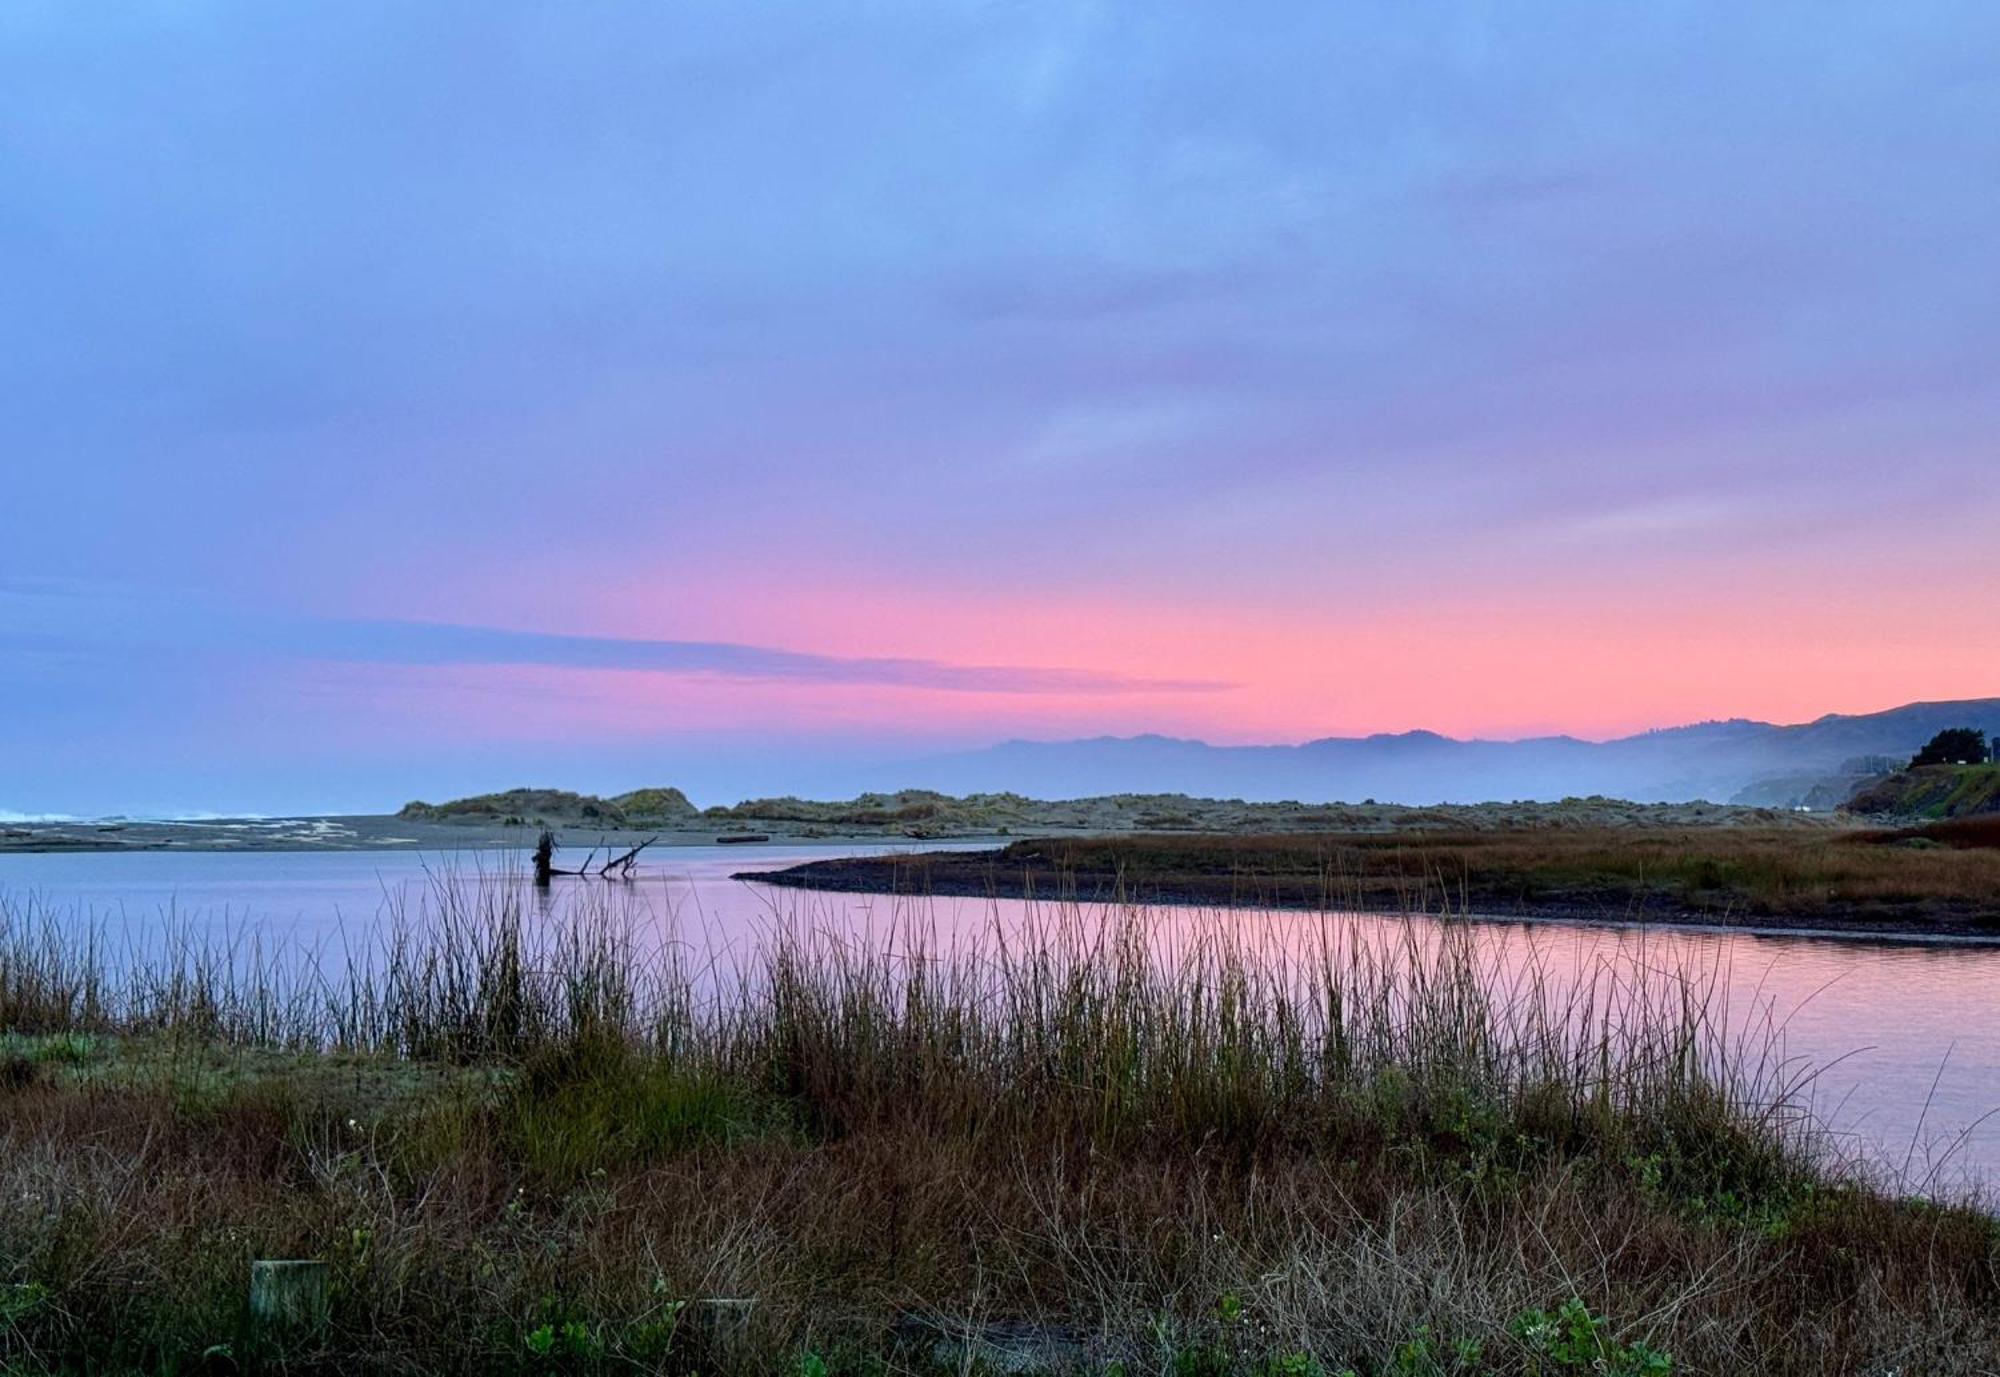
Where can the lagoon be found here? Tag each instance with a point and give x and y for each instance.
(1895, 1044)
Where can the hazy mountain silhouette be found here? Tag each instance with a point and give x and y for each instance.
(1710, 760)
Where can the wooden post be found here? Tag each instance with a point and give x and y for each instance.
(545, 858)
(289, 1297)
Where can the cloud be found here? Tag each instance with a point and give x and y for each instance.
(1141, 432)
(434, 643)
(1666, 518)
(51, 616)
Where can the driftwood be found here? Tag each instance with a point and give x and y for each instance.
(623, 865)
(545, 868)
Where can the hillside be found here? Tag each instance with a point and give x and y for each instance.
(1932, 791)
(558, 807)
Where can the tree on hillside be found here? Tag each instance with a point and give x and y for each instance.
(1953, 746)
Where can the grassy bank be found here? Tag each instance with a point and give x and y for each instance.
(1936, 879)
(539, 1145)
(1935, 792)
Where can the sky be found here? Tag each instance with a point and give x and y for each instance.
(413, 399)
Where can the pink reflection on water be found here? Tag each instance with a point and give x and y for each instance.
(1893, 1044)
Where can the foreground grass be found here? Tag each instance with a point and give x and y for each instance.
(533, 1146)
(1941, 878)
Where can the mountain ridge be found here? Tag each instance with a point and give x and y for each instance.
(1720, 761)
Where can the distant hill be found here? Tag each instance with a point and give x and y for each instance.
(641, 807)
(1810, 764)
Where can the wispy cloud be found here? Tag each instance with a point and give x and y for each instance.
(1676, 518)
(51, 616)
(434, 643)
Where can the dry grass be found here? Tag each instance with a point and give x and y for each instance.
(523, 1145)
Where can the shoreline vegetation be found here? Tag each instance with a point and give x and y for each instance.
(1916, 796)
(555, 1143)
(1939, 878)
(1950, 778)
(514, 819)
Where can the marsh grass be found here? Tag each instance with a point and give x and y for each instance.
(1821, 876)
(536, 1141)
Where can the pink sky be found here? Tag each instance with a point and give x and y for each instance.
(1544, 368)
(1599, 661)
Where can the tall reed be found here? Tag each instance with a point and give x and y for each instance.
(524, 1133)
(1095, 1021)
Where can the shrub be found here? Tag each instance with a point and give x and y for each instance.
(1953, 746)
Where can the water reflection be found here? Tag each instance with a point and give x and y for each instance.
(1897, 1045)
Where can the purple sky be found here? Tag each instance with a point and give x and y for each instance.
(410, 399)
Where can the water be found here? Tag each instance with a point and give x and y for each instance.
(1904, 1036)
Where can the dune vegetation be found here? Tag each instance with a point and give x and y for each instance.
(539, 1144)
(926, 813)
(525, 807)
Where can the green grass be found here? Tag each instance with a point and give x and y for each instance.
(1934, 792)
(1977, 791)
(574, 1111)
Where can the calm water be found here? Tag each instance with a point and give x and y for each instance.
(1905, 1036)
